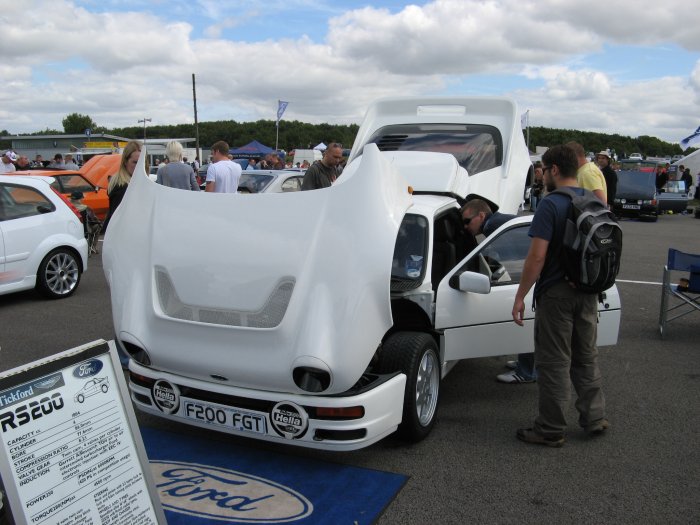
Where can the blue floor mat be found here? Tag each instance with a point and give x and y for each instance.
(204, 482)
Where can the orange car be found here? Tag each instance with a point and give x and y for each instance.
(68, 181)
(100, 168)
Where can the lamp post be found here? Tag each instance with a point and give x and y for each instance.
(144, 120)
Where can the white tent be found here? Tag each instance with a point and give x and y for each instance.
(321, 146)
(691, 161)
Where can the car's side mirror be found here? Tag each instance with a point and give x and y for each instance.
(472, 282)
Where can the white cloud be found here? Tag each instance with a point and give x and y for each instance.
(119, 65)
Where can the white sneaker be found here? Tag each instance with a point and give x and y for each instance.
(512, 377)
(512, 364)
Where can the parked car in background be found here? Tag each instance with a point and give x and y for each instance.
(42, 239)
(636, 195)
(635, 156)
(100, 168)
(638, 165)
(270, 181)
(673, 197)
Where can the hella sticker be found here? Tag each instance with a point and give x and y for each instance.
(166, 396)
(47, 383)
(219, 494)
(289, 419)
(88, 368)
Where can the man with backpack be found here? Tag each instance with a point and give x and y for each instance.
(566, 308)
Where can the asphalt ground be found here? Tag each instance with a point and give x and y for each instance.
(472, 469)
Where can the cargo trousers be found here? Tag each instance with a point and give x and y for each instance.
(566, 328)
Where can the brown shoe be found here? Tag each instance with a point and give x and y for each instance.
(596, 429)
(528, 435)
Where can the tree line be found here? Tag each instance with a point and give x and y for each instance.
(295, 134)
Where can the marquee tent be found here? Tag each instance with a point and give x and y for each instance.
(321, 146)
(252, 149)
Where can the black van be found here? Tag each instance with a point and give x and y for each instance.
(636, 195)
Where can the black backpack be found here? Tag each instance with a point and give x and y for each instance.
(592, 244)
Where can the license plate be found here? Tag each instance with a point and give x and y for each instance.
(630, 206)
(223, 416)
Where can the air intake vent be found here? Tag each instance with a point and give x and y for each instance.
(391, 142)
(269, 316)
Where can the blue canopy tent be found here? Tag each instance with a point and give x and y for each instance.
(251, 150)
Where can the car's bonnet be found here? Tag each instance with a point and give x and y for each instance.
(258, 284)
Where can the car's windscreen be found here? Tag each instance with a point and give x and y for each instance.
(635, 184)
(409, 261)
(71, 183)
(254, 183)
(477, 148)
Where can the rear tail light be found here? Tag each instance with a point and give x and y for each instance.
(69, 204)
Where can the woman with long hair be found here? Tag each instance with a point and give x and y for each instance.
(120, 180)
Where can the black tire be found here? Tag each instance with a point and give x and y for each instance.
(59, 274)
(416, 355)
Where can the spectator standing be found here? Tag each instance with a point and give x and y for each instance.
(661, 178)
(23, 163)
(177, 173)
(687, 178)
(195, 164)
(223, 174)
(566, 319)
(119, 182)
(57, 162)
(322, 173)
(537, 187)
(70, 163)
(603, 159)
(251, 165)
(589, 175)
(38, 162)
(8, 160)
(479, 219)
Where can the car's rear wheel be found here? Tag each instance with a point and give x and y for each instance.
(415, 354)
(59, 274)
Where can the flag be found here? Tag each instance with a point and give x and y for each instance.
(690, 140)
(281, 106)
(525, 120)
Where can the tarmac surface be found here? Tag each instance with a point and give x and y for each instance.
(472, 469)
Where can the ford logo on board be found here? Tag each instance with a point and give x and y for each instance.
(226, 495)
(88, 368)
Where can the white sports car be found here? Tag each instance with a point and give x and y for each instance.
(328, 318)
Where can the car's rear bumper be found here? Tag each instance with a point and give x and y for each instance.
(381, 402)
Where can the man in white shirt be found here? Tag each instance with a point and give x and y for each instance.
(8, 159)
(223, 174)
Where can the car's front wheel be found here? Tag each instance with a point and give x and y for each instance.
(59, 274)
(416, 355)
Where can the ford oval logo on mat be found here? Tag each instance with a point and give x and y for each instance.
(226, 495)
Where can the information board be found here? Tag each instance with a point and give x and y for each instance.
(71, 449)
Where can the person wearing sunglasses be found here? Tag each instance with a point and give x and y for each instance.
(479, 219)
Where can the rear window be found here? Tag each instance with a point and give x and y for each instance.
(477, 148)
(71, 183)
(22, 201)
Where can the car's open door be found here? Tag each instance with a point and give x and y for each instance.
(480, 324)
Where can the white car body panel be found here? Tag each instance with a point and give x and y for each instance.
(503, 185)
(335, 258)
(25, 241)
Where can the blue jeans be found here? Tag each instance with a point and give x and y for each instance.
(526, 366)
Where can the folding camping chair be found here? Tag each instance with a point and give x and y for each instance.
(685, 299)
(93, 227)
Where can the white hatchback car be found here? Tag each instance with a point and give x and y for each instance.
(42, 240)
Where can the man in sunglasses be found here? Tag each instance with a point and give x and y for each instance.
(479, 219)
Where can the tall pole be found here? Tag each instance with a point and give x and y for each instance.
(144, 120)
(196, 125)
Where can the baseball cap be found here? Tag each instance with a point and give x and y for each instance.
(11, 155)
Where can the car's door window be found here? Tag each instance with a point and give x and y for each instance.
(292, 184)
(503, 258)
(22, 201)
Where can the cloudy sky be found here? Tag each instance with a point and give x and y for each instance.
(616, 66)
